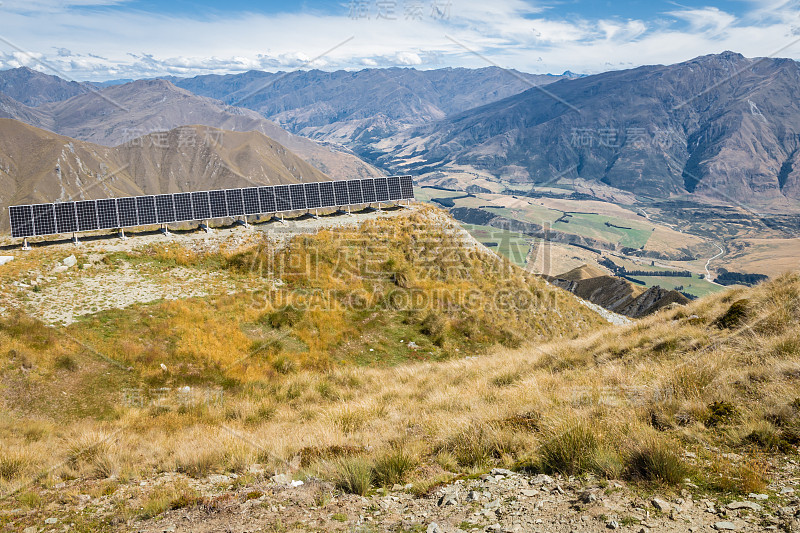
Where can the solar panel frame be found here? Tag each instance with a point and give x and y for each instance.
(235, 202)
(297, 194)
(266, 198)
(107, 217)
(21, 221)
(341, 193)
(86, 211)
(201, 205)
(313, 200)
(108, 213)
(406, 187)
(126, 212)
(165, 208)
(183, 206)
(251, 202)
(218, 203)
(354, 190)
(44, 219)
(146, 210)
(394, 187)
(283, 200)
(381, 190)
(368, 190)
(327, 198)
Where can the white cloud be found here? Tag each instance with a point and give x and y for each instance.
(117, 42)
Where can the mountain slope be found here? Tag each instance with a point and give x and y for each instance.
(357, 107)
(39, 166)
(35, 88)
(720, 126)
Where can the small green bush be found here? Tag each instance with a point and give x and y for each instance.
(655, 461)
(569, 452)
(392, 467)
(720, 412)
(735, 316)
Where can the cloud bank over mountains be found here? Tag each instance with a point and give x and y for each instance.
(108, 39)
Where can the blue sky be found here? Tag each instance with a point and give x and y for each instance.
(109, 39)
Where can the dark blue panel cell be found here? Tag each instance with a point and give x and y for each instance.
(298, 196)
(340, 191)
(219, 208)
(165, 209)
(312, 195)
(235, 202)
(326, 194)
(107, 214)
(146, 209)
(44, 219)
(87, 215)
(251, 206)
(368, 188)
(406, 187)
(354, 188)
(266, 196)
(126, 209)
(201, 209)
(381, 190)
(394, 187)
(183, 206)
(21, 221)
(282, 199)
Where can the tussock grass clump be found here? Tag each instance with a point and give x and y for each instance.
(393, 465)
(478, 444)
(166, 498)
(198, 460)
(655, 461)
(13, 464)
(569, 451)
(353, 474)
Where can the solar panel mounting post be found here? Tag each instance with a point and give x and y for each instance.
(75, 240)
(121, 234)
(204, 226)
(165, 230)
(25, 246)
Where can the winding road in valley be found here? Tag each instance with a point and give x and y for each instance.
(720, 254)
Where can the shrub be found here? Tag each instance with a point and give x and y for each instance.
(353, 475)
(12, 464)
(477, 445)
(655, 461)
(66, 362)
(720, 412)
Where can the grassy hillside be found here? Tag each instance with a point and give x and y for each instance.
(326, 388)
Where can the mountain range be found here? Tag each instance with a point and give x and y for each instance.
(357, 108)
(121, 113)
(721, 127)
(40, 166)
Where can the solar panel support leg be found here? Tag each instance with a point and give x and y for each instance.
(315, 215)
(75, 240)
(204, 226)
(165, 230)
(25, 245)
(122, 234)
(282, 220)
(243, 221)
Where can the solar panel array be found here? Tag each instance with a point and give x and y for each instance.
(110, 213)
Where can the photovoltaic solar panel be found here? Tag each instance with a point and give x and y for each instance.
(66, 222)
(354, 188)
(394, 187)
(219, 208)
(340, 190)
(266, 195)
(165, 208)
(235, 202)
(368, 188)
(126, 209)
(406, 187)
(21, 220)
(87, 215)
(183, 206)
(298, 196)
(312, 195)
(250, 196)
(107, 214)
(146, 209)
(326, 195)
(44, 219)
(200, 206)
(282, 200)
(381, 190)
